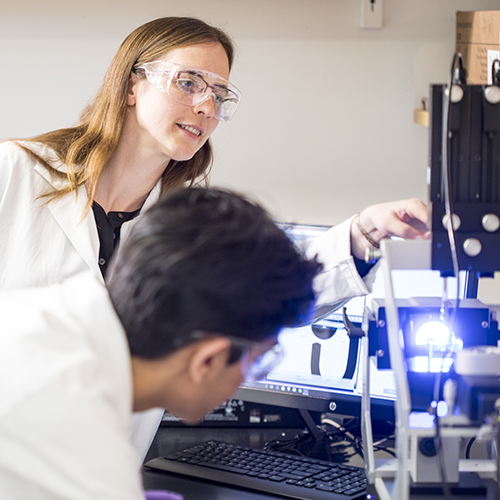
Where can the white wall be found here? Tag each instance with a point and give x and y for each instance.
(325, 125)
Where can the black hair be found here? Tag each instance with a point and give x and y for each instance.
(211, 260)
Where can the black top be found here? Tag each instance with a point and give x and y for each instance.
(362, 267)
(108, 228)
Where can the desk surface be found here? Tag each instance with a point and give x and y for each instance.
(170, 439)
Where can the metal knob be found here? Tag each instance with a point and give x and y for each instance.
(491, 222)
(492, 94)
(457, 93)
(472, 247)
(455, 220)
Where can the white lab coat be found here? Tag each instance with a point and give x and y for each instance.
(42, 243)
(66, 397)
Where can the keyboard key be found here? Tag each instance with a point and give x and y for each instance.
(234, 470)
(354, 490)
(324, 487)
(291, 476)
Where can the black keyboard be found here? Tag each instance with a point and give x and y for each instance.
(266, 471)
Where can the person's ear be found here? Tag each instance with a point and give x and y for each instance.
(133, 85)
(208, 359)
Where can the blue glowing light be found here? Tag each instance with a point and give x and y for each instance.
(440, 342)
(432, 333)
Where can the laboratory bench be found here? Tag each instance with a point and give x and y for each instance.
(172, 439)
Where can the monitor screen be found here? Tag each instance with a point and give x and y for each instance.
(322, 367)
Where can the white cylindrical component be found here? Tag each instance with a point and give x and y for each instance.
(472, 247)
(450, 394)
(455, 220)
(457, 93)
(492, 94)
(491, 222)
(480, 360)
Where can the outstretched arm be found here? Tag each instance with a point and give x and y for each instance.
(340, 279)
(405, 218)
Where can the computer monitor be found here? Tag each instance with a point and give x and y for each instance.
(322, 367)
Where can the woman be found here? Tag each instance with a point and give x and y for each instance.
(68, 196)
(133, 141)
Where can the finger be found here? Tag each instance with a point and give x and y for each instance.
(418, 225)
(397, 227)
(413, 211)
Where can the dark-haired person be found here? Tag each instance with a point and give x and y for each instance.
(196, 296)
(67, 197)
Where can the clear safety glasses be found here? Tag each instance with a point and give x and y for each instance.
(192, 86)
(259, 361)
(257, 358)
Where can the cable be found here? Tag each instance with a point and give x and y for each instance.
(341, 428)
(449, 319)
(438, 443)
(332, 442)
(385, 449)
(446, 182)
(469, 446)
(445, 174)
(497, 442)
(495, 74)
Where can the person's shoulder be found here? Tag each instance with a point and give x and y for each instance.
(9, 148)
(13, 160)
(28, 158)
(22, 150)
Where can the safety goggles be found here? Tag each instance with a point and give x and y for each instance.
(192, 86)
(257, 359)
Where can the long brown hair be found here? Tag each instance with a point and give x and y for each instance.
(87, 147)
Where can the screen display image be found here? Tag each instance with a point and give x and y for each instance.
(322, 370)
(318, 355)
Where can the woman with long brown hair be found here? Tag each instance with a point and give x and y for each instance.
(68, 196)
(65, 194)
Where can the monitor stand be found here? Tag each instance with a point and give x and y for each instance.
(315, 443)
(311, 425)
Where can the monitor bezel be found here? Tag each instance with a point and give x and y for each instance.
(336, 403)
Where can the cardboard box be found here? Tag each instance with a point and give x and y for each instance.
(478, 40)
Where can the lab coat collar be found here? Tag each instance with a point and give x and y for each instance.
(56, 181)
(68, 211)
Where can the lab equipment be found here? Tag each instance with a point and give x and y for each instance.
(456, 367)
